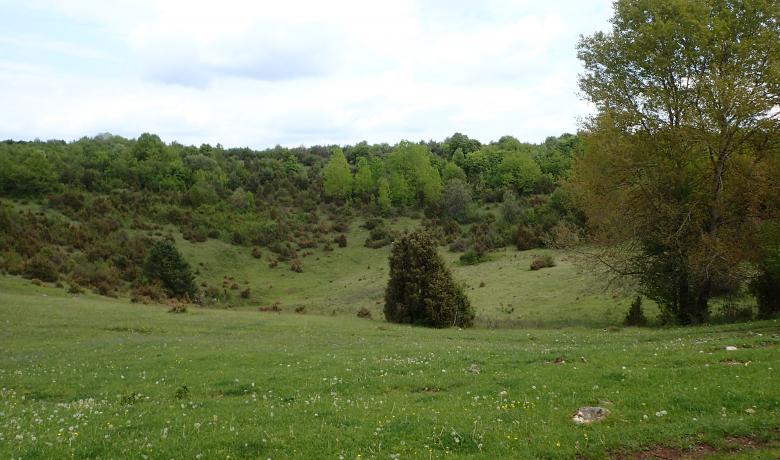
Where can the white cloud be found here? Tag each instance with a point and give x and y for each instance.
(261, 73)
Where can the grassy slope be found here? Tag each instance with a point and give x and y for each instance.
(96, 377)
(346, 279)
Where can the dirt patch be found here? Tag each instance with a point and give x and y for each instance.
(670, 453)
(700, 450)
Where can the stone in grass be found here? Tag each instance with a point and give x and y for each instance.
(589, 414)
(731, 348)
(474, 368)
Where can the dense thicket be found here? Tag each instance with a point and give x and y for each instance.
(106, 198)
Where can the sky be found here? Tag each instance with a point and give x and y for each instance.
(263, 73)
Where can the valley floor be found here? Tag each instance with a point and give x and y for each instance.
(92, 377)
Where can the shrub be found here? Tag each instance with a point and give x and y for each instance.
(459, 245)
(543, 261)
(732, 312)
(364, 313)
(378, 237)
(177, 307)
(166, 264)
(341, 240)
(296, 266)
(275, 308)
(300, 310)
(472, 258)
(421, 289)
(635, 315)
(766, 288)
(342, 226)
(372, 223)
(527, 238)
(42, 267)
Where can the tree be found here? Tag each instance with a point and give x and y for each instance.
(456, 200)
(164, 263)
(337, 176)
(421, 289)
(682, 154)
(364, 179)
(460, 142)
(452, 171)
(383, 197)
(519, 171)
(413, 177)
(766, 284)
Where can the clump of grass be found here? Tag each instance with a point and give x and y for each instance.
(183, 392)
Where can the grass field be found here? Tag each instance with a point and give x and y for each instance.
(92, 377)
(503, 290)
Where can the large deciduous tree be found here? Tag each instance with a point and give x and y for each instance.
(681, 159)
(337, 177)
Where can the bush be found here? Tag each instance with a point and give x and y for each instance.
(731, 312)
(544, 261)
(378, 237)
(41, 266)
(635, 315)
(341, 240)
(472, 258)
(527, 238)
(459, 245)
(373, 223)
(766, 288)
(296, 266)
(166, 264)
(177, 307)
(421, 289)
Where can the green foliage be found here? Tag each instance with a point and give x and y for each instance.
(25, 172)
(635, 315)
(164, 263)
(337, 178)
(519, 171)
(472, 257)
(421, 289)
(460, 142)
(384, 200)
(680, 161)
(365, 185)
(452, 171)
(766, 285)
(456, 202)
(413, 177)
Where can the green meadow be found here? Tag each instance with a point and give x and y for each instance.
(84, 376)
(503, 289)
